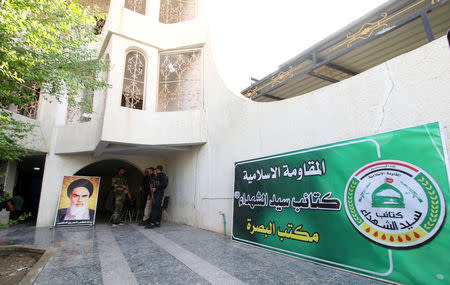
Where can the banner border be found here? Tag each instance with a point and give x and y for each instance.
(327, 146)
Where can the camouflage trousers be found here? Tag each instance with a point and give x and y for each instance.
(118, 206)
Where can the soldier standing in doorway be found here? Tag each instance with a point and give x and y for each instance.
(147, 185)
(120, 189)
(161, 182)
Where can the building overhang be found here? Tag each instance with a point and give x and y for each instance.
(388, 31)
(105, 148)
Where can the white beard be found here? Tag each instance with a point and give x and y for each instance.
(77, 213)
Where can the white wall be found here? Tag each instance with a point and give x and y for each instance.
(35, 140)
(146, 127)
(81, 137)
(409, 90)
(148, 30)
(113, 123)
(125, 30)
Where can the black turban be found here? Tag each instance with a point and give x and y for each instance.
(80, 183)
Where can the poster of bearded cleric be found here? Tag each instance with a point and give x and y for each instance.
(77, 201)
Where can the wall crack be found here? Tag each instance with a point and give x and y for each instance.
(386, 98)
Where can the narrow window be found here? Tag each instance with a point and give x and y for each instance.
(137, 6)
(180, 81)
(175, 11)
(134, 80)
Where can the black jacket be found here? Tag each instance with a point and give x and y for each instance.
(161, 181)
(147, 184)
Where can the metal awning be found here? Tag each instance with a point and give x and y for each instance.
(390, 30)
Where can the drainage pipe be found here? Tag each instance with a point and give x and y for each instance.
(224, 223)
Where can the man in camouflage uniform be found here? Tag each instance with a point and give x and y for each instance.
(120, 189)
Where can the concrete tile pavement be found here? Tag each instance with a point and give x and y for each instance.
(172, 254)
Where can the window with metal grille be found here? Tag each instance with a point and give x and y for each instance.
(180, 81)
(137, 6)
(30, 110)
(175, 11)
(134, 80)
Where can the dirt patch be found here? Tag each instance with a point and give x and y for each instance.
(14, 265)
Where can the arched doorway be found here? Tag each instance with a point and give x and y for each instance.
(106, 169)
(27, 184)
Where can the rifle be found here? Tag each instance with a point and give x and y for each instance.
(411, 191)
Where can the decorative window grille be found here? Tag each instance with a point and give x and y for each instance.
(81, 112)
(175, 11)
(180, 81)
(134, 80)
(137, 6)
(30, 110)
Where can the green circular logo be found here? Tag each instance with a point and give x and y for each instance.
(394, 203)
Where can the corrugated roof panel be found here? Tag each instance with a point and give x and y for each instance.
(440, 20)
(385, 47)
(305, 84)
(287, 90)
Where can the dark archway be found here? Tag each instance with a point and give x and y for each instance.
(30, 171)
(107, 169)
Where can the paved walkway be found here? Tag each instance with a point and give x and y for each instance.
(172, 254)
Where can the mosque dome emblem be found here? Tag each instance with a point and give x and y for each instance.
(387, 196)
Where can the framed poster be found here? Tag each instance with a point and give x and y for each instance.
(374, 205)
(77, 201)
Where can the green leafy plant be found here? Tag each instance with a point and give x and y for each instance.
(7, 196)
(47, 47)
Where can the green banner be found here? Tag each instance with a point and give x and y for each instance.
(374, 205)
